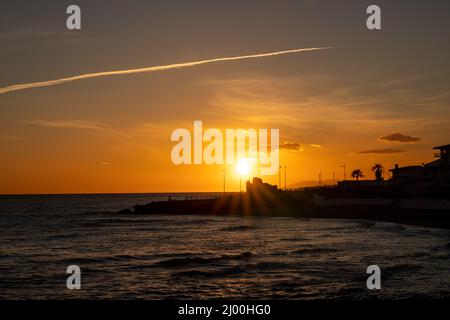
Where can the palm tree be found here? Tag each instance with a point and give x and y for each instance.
(357, 173)
(378, 169)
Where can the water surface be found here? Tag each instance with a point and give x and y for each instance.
(200, 257)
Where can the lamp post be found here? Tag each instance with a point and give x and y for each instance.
(345, 172)
(279, 177)
(320, 178)
(285, 178)
(224, 182)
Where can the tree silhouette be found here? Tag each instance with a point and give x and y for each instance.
(378, 169)
(357, 173)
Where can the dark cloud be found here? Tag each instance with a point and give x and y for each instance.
(291, 146)
(381, 151)
(398, 137)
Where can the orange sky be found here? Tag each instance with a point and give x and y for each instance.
(112, 134)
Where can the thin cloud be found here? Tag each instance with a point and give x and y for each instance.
(288, 146)
(291, 146)
(23, 86)
(382, 151)
(78, 125)
(69, 124)
(11, 138)
(399, 137)
(399, 81)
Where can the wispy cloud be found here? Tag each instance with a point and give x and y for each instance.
(403, 80)
(69, 124)
(48, 83)
(291, 146)
(382, 151)
(136, 136)
(11, 138)
(399, 137)
(79, 125)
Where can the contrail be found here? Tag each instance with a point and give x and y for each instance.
(48, 83)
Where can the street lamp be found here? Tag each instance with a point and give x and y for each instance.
(345, 172)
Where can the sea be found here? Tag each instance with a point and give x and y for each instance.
(127, 256)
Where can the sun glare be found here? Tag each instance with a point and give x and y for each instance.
(243, 167)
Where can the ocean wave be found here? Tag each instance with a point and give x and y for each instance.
(421, 254)
(62, 236)
(99, 211)
(269, 265)
(81, 261)
(314, 250)
(112, 221)
(237, 228)
(126, 257)
(182, 262)
(388, 271)
(296, 239)
(193, 222)
(388, 226)
(222, 272)
(442, 247)
(106, 259)
(442, 257)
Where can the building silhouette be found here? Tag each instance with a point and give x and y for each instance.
(437, 171)
(258, 186)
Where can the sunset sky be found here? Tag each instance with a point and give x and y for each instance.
(343, 105)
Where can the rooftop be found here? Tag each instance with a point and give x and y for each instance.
(446, 146)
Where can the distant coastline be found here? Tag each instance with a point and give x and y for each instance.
(300, 203)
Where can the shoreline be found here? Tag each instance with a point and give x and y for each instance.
(293, 204)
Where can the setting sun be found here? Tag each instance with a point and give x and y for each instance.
(243, 167)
